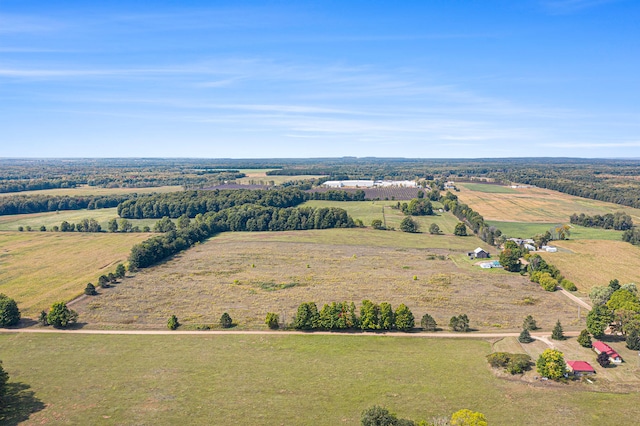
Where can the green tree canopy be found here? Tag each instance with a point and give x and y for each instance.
(404, 318)
(9, 312)
(409, 225)
(467, 417)
(551, 364)
(428, 323)
(460, 230)
(60, 316)
(598, 319)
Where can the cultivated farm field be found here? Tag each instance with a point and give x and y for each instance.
(40, 268)
(250, 274)
(591, 262)
(535, 205)
(277, 379)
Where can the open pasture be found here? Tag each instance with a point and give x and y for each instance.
(277, 379)
(529, 229)
(50, 219)
(250, 274)
(39, 268)
(94, 190)
(536, 205)
(589, 262)
(491, 189)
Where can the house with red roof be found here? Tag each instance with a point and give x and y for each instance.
(601, 347)
(580, 368)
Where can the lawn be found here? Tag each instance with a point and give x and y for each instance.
(39, 268)
(490, 189)
(250, 274)
(50, 219)
(590, 262)
(536, 205)
(274, 380)
(529, 229)
(94, 190)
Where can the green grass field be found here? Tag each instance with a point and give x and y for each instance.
(529, 229)
(94, 190)
(39, 268)
(50, 219)
(490, 189)
(274, 380)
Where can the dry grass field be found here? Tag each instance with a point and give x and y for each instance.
(535, 205)
(593, 262)
(94, 190)
(39, 268)
(250, 274)
(50, 219)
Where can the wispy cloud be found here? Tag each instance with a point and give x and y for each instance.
(594, 145)
(27, 24)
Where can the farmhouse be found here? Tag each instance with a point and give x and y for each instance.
(479, 253)
(600, 347)
(580, 368)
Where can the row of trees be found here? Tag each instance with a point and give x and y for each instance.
(343, 316)
(23, 204)
(466, 214)
(619, 221)
(192, 203)
(380, 416)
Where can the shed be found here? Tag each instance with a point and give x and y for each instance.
(580, 368)
(600, 347)
(479, 253)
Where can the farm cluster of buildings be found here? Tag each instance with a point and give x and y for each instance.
(583, 368)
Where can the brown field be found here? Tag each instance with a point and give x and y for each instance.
(39, 268)
(594, 262)
(250, 274)
(536, 205)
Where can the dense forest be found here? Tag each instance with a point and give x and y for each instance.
(619, 221)
(22, 204)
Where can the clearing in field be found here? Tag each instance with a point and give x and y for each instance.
(250, 274)
(40, 268)
(536, 205)
(589, 263)
(281, 379)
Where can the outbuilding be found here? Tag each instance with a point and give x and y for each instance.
(580, 368)
(600, 347)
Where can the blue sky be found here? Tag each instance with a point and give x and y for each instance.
(430, 79)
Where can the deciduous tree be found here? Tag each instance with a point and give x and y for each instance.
(598, 319)
(551, 364)
(60, 316)
(9, 312)
(404, 318)
(584, 339)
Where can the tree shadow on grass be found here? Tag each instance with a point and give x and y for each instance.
(18, 404)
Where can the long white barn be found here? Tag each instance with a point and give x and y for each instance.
(370, 183)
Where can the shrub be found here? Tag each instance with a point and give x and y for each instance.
(603, 359)
(103, 281)
(557, 333)
(529, 323)
(9, 312)
(120, 271)
(460, 230)
(42, 319)
(459, 323)
(518, 363)
(377, 224)
(548, 282)
(60, 316)
(525, 337)
(428, 323)
(409, 225)
(226, 321)
(584, 339)
(468, 418)
(498, 359)
(272, 321)
(173, 323)
(568, 285)
(90, 290)
(434, 229)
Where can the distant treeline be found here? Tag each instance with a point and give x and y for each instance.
(619, 221)
(300, 172)
(192, 203)
(35, 185)
(472, 218)
(23, 204)
(335, 195)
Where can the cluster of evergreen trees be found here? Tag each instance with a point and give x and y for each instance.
(247, 217)
(476, 222)
(619, 221)
(343, 316)
(192, 203)
(23, 204)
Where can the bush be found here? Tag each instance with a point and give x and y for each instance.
(226, 321)
(529, 323)
(428, 323)
(60, 316)
(9, 312)
(548, 282)
(103, 281)
(272, 321)
(512, 363)
(404, 318)
(568, 285)
(434, 229)
(90, 290)
(498, 359)
(584, 339)
(42, 319)
(409, 225)
(173, 323)
(377, 224)
(460, 230)
(120, 271)
(603, 359)
(468, 418)
(459, 323)
(380, 416)
(525, 337)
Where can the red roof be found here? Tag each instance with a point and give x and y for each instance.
(603, 347)
(581, 366)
